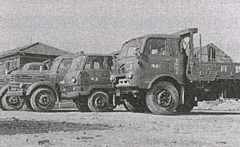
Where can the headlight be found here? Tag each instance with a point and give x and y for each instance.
(73, 80)
(112, 78)
(130, 75)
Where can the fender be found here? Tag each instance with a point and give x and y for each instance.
(87, 92)
(42, 84)
(3, 90)
(163, 76)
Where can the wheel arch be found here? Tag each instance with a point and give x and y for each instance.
(42, 84)
(167, 78)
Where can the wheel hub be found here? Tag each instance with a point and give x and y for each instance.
(99, 102)
(44, 99)
(14, 100)
(164, 98)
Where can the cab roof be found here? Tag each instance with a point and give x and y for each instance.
(95, 54)
(35, 63)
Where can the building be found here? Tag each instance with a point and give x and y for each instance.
(37, 52)
(211, 53)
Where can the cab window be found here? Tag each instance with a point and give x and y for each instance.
(161, 46)
(155, 46)
(64, 65)
(98, 63)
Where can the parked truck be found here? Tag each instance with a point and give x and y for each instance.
(162, 72)
(88, 83)
(15, 102)
(39, 88)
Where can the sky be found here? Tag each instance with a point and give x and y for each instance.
(102, 26)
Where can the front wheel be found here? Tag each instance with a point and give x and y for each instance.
(12, 102)
(42, 100)
(98, 101)
(162, 98)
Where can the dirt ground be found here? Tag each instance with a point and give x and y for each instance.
(204, 126)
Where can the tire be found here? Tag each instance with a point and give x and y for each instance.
(42, 100)
(14, 102)
(98, 102)
(82, 106)
(3, 104)
(11, 102)
(162, 98)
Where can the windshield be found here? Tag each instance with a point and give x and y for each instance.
(54, 65)
(77, 63)
(130, 48)
(27, 67)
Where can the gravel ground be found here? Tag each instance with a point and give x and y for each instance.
(67, 127)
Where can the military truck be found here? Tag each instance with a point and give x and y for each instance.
(161, 72)
(15, 102)
(88, 83)
(39, 89)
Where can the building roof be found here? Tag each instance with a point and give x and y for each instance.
(36, 48)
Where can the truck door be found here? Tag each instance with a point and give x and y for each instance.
(96, 71)
(62, 69)
(159, 59)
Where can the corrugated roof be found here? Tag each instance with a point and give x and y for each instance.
(36, 48)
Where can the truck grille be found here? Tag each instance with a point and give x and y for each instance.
(27, 77)
(15, 85)
(11, 78)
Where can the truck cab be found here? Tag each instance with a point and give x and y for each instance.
(88, 82)
(150, 71)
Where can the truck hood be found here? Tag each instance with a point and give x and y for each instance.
(29, 76)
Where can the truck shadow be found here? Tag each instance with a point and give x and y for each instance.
(210, 113)
(75, 110)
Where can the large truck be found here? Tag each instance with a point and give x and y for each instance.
(39, 89)
(163, 72)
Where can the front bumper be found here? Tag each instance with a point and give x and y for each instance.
(125, 90)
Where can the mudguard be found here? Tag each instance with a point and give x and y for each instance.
(163, 76)
(3, 90)
(47, 84)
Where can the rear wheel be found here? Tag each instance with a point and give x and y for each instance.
(43, 99)
(162, 98)
(98, 101)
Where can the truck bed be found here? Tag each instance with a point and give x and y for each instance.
(214, 71)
